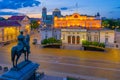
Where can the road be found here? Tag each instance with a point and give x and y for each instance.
(76, 63)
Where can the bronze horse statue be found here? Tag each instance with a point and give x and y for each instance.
(15, 55)
(20, 48)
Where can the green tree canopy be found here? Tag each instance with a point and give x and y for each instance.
(34, 24)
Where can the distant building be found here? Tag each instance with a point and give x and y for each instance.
(107, 36)
(23, 20)
(77, 20)
(73, 35)
(73, 29)
(48, 19)
(93, 35)
(76, 35)
(117, 39)
(56, 13)
(9, 30)
(50, 32)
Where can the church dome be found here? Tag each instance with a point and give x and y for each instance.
(44, 8)
(56, 9)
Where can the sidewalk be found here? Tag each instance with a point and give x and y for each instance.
(63, 76)
(47, 77)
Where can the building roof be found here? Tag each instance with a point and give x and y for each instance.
(56, 9)
(9, 23)
(16, 18)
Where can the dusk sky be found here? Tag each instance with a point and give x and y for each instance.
(107, 8)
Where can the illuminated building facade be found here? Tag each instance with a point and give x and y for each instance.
(73, 35)
(73, 29)
(77, 20)
(9, 30)
(77, 35)
(23, 20)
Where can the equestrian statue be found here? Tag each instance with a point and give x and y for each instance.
(23, 46)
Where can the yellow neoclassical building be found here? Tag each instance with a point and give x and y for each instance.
(23, 21)
(9, 30)
(77, 20)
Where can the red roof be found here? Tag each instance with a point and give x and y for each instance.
(9, 23)
(16, 18)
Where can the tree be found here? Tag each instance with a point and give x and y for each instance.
(52, 40)
(105, 23)
(34, 24)
(111, 23)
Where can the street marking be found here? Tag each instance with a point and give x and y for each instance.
(76, 58)
(68, 64)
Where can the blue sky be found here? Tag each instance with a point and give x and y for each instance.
(107, 8)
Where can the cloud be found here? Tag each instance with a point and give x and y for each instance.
(16, 4)
(111, 12)
(63, 8)
(9, 13)
(118, 7)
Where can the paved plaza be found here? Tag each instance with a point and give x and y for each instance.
(75, 63)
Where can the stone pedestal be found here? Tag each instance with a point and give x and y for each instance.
(26, 71)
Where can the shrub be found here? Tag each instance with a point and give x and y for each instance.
(51, 41)
(95, 44)
(45, 41)
(102, 45)
(87, 43)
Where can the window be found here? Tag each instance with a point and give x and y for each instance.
(117, 46)
(63, 36)
(46, 37)
(83, 36)
(89, 38)
(96, 38)
(55, 36)
(106, 39)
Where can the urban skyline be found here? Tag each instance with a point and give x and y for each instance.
(107, 8)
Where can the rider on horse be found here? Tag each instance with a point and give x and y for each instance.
(21, 42)
(27, 41)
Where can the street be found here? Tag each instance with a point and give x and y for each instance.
(75, 63)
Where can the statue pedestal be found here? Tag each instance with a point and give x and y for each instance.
(26, 71)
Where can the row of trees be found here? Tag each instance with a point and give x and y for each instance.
(87, 43)
(111, 23)
(51, 41)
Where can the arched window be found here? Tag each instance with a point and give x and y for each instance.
(69, 39)
(78, 40)
(73, 39)
(76, 16)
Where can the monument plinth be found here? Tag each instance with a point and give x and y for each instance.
(26, 71)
